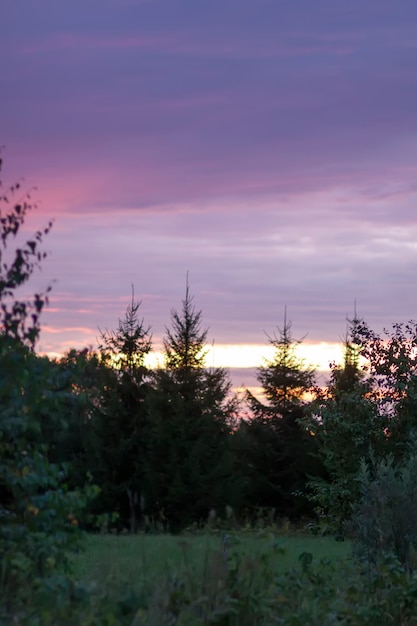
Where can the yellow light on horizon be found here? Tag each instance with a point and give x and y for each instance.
(245, 356)
(318, 355)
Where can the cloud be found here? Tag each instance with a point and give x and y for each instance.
(268, 148)
(143, 129)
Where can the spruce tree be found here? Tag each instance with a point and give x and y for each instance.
(284, 379)
(119, 427)
(190, 414)
(278, 456)
(126, 348)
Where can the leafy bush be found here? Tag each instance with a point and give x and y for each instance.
(385, 519)
(38, 512)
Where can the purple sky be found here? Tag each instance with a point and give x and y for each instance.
(267, 146)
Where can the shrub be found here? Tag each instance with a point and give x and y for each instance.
(385, 519)
(38, 513)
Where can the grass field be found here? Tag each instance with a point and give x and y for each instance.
(256, 579)
(142, 560)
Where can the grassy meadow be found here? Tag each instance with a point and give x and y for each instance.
(252, 579)
(142, 561)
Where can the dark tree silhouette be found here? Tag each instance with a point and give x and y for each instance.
(190, 413)
(278, 453)
(119, 425)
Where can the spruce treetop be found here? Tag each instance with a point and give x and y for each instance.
(127, 346)
(185, 342)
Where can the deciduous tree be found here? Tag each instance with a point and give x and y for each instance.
(347, 427)
(38, 513)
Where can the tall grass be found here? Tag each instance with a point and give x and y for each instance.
(247, 580)
(143, 560)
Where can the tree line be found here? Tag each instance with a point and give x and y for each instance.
(173, 447)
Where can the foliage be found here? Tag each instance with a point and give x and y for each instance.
(347, 427)
(19, 317)
(38, 512)
(391, 370)
(367, 412)
(385, 518)
(346, 431)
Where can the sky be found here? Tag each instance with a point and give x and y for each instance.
(267, 147)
